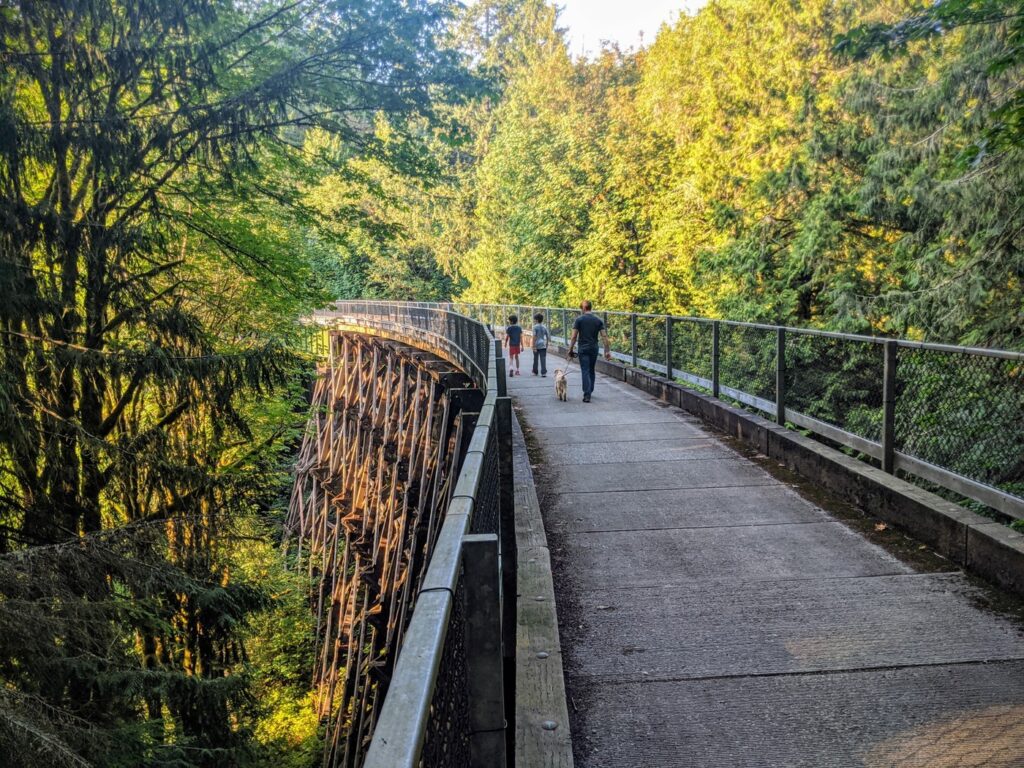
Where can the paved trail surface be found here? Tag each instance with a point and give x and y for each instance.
(711, 616)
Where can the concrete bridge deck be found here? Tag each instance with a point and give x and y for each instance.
(711, 615)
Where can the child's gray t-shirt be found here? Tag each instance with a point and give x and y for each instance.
(540, 336)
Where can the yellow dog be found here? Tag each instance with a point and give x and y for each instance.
(561, 385)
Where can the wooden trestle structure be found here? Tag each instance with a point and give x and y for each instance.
(374, 475)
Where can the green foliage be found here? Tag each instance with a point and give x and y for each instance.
(180, 181)
(854, 166)
(280, 645)
(998, 20)
(744, 166)
(161, 235)
(939, 186)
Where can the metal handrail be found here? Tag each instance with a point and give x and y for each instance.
(1004, 354)
(884, 450)
(398, 315)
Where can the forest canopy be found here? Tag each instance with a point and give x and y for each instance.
(177, 183)
(182, 182)
(850, 165)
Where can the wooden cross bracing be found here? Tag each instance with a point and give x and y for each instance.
(374, 475)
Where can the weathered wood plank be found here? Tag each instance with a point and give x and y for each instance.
(543, 738)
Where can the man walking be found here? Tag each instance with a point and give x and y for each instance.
(587, 328)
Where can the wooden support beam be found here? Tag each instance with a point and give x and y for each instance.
(373, 477)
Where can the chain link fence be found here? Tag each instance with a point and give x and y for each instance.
(693, 352)
(837, 381)
(487, 504)
(964, 412)
(446, 740)
(956, 415)
(650, 341)
(747, 357)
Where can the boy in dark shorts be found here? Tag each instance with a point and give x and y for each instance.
(514, 342)
(540, 344)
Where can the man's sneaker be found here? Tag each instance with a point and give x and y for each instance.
(586, 398)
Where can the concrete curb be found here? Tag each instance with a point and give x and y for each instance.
(543, 736)
(989, 549)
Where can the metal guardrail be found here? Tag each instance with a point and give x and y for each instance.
(953, 416)
(468, 342)
(444, 704)
(950, 416)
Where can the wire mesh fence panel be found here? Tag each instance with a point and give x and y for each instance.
(836, 380)
(650, 342)
(570, 321)
(620, 332)
(560, 322)
(553, 320)
(526, 314)
(747, 359)
(692, 347)
(446, 743)
(963, 412)
(523, 314)
(520, 313)
(475, 311)
(486, 502)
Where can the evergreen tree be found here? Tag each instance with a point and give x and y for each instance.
(154, 161)
(749, 166)
(935, 138)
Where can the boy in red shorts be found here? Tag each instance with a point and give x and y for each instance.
(514, 342)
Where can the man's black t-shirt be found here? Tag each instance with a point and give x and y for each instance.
(588, 326)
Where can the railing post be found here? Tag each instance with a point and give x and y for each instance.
(668, 346)
(484, 669)
(565, 326)
(715, 358)
(780, 376)
(632, 338)
(506, 526)
(889, 408)
(499, 369)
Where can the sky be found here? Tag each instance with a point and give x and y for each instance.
(621, 21)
